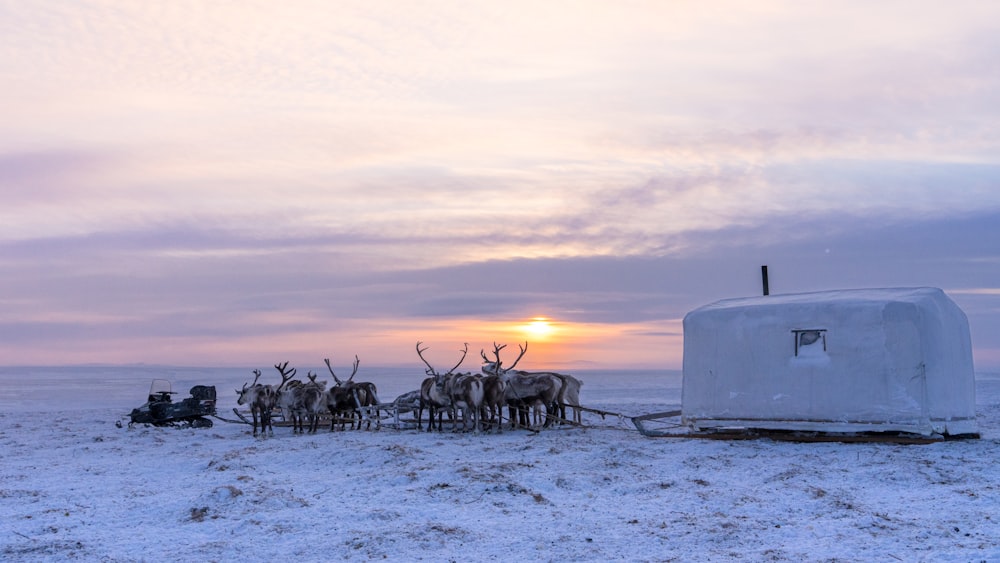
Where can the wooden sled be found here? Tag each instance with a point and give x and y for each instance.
(668, 424)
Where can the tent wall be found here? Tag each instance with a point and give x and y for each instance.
(852, 360)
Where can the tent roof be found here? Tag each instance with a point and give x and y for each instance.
(840, 296)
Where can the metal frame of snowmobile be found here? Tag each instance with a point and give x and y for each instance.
(161, 410)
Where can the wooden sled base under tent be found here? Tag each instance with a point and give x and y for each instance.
(668, 424)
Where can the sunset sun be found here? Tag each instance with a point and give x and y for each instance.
(539, 327)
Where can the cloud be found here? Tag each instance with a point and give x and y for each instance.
(221, 172)
(977, 291)
(114, 291)
(30, 178)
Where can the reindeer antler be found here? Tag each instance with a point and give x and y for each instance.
(521, 355)
(464, 352)
(357, 363)
(430, 369)
(496, 354)
(497, 369)
(256, 373)
(329, 367)
(286, 374)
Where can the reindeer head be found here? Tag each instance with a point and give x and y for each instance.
(441, 382)
(321, 385)
(495, 367)
(246, 394)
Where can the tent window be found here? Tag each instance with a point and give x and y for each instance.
(808, 337)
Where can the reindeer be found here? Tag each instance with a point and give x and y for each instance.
(532, 393)
(570, 397)
(285, 394)
(525, 390)
(262, 399)
(347, 398)
(494, 391)
(436, 402)
(444, 391)
(313, 399)
(368, 404)
(435, 405)
(466, 392)
(301, 401)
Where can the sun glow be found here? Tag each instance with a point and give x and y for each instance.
(539, 327)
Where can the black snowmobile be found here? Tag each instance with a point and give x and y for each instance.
(161, 410)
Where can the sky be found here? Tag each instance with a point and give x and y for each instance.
(245, 183)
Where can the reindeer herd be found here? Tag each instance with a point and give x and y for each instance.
(533, 399)
(303, 403)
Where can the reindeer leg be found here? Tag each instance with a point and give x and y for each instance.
(550, 413)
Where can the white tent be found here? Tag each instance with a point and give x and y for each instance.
(865, 360)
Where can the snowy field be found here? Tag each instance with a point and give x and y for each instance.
(73, 486)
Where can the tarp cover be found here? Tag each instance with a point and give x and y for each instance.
(895, 360)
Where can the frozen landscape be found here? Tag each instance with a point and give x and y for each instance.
(73, 486)
(797, 204)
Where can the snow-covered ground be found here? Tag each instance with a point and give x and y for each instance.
(74, 486)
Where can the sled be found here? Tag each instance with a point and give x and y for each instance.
(668, 424)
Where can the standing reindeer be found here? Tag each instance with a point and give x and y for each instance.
(286, 391)
(350, 398)
(435, 403)
(526, 390)
(494, 391)
(301, 401)
(312, 397)
(262, 400)
(454, 391)
(466, 392)
(342, 398)
(433, 396)
(570, 397)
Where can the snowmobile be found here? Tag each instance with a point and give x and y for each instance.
(161, 410)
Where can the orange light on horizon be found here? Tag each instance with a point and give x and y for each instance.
(539, 328)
